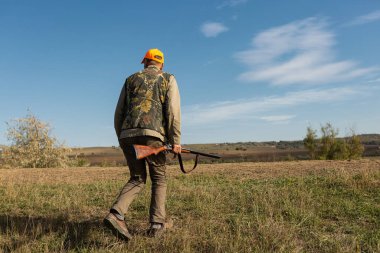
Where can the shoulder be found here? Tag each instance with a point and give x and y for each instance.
(167, 73)
(137, 73)
(131, 77)
(168, 76)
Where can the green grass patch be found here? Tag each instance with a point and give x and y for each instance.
(334, 211)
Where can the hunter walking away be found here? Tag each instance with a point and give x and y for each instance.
(147, 113)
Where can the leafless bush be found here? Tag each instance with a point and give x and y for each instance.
(32, 146)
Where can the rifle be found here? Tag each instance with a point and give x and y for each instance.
(143, 151)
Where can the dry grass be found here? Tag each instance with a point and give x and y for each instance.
(247, 170)
(308, 206)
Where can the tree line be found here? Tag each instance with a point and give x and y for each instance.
(32, 145)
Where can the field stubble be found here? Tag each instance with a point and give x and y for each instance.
(304, 206)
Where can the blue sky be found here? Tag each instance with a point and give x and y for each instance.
(247, 70)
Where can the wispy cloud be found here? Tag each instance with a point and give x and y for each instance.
(278, 118)
(231, 3)
(368, 18)
(300, 52)
(376, 80)
(248, 108)
(213, 29)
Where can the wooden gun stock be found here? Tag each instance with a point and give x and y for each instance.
(143, 151)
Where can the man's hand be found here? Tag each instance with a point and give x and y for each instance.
(177, 148)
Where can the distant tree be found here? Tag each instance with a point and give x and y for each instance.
(32, 146)
(311, 142)
(328, 142)
(355, 148)
(329, 147)
(338, 150)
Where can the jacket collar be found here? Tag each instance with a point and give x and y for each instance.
(153, 67)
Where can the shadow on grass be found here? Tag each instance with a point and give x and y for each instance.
(24, 230)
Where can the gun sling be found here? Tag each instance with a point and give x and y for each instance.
(183, 168)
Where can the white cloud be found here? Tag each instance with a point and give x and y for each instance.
(248, 108)
(213, 29)
(368, 18)
(297, 53)
(231, 3)
(278, 118)
(377, 80)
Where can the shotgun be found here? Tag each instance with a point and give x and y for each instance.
(143, 151)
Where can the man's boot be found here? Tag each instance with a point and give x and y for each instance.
(157, 229)
(117, 226)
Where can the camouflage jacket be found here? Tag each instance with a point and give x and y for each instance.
(149, 105)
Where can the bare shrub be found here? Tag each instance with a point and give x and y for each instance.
(32, 146)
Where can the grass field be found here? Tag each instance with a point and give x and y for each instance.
(304, 206)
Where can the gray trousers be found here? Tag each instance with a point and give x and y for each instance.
(138, 173)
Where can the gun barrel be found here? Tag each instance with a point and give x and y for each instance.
(185, 150)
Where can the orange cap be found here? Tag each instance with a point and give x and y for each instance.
(154, 54)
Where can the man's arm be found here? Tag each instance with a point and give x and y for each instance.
(173, 113)
(120, 111)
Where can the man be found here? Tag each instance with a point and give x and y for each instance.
(147, 113)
